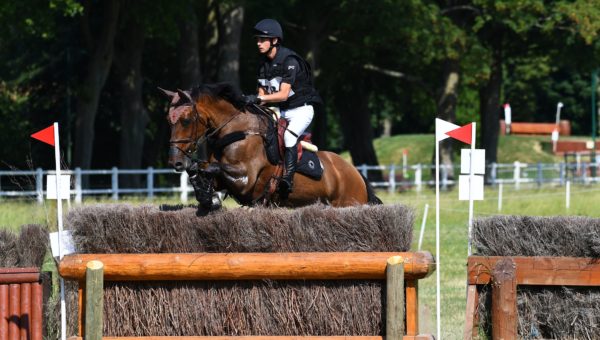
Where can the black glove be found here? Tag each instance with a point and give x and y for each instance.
(251, 99)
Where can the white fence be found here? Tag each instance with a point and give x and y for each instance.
(413, 177)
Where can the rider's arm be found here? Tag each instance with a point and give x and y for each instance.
(280, 96)
(291, 67)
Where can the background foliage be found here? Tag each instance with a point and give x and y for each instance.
(383, 67)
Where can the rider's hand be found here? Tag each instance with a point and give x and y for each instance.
(252, 99)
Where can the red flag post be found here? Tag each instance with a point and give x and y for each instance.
(50, 136)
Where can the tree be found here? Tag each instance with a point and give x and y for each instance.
(134, 116)
(101, 51)
(510, 29)
(231, 19)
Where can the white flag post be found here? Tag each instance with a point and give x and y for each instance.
(50, 136)
(63, 316)
(437, 233)
(471, 184)
(466, 134)
(441, 128)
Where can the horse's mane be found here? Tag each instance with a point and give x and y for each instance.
(225, 90)
(232, 94)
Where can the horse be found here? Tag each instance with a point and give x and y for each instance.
(239, 163)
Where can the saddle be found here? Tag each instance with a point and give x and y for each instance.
(308, 161)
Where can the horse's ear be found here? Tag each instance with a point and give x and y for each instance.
(170, 94)
(185, 94)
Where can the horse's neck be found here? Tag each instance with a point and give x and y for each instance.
(220, 114)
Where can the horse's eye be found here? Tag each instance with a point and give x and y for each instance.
(185, 122)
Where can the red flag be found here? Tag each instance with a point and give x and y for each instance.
(463, 133)
(46, 135)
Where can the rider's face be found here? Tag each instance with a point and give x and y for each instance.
(263, 44)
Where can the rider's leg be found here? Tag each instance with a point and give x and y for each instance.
(299, 119)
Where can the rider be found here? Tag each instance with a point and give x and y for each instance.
(284, 80)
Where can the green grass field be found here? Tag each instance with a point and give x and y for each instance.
(453, 231)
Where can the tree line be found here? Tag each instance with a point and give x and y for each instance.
(383, 67)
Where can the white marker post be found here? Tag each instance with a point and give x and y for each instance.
(50, 136)
(443, 130)
(63, 309)
(499, 197)
(423, 226)
(556, 130)
(471, 184)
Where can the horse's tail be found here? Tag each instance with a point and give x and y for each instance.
(372, 199)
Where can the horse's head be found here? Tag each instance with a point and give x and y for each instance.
(186, 128)
(191, 114)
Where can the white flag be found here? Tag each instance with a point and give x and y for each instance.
(442, 127)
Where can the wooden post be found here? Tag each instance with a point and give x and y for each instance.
(25, 317)
(471, 324)
(4, 313)
(94, 283)
(412, 307)
(394, 318)
(504, 300)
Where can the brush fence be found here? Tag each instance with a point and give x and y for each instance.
(506, 273)
(255, 266)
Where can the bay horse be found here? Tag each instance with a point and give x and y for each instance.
(240, 165)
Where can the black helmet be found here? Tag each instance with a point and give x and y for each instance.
(268, 28)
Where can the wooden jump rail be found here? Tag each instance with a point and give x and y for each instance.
(21, 304)
(256, 266)
(506, 273)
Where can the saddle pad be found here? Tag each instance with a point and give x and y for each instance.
(310, 165)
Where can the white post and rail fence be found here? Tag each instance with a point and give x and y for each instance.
(394, 178)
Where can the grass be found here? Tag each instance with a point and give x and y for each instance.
(420, 148)
(530, 201)
(454, 239)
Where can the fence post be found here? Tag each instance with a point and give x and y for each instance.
(504, 300)
(561, 173)
(363, 170)
(418, 177)
(150, 182)
(584, 168)
(517, 174)
(540, 176)
(494, 172)
(392, 179)
(183, 185)
(94, 300)
(39, 185)
(78, 190)
(115, 183)
(394, 309)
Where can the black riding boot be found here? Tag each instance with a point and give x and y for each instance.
(287, 181)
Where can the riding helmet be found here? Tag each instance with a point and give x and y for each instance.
(268, 28)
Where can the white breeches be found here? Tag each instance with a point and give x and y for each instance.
(299, 119)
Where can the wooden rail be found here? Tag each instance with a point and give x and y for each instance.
(21, 301)
(255, 266)
(536, 271)
(246, 266)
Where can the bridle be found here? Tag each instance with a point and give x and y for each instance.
(194, 138)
